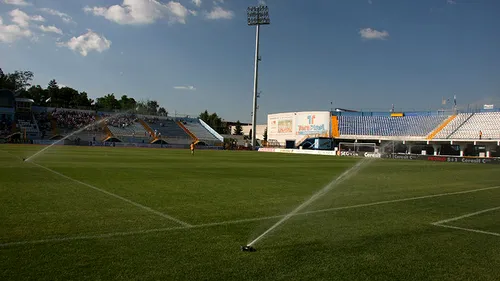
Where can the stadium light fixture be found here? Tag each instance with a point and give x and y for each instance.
(257, 15)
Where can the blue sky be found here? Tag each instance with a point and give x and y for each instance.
(356, 53)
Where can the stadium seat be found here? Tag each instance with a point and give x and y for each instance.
(408, 126)
(486, 122)
(195, 127)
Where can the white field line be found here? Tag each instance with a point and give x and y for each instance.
(442, 222)
(400, 200)
(467, 215)
(185, 224)
(468, 229)
(86, 237)
(106, 235)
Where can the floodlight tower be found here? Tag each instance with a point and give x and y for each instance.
(257, 15)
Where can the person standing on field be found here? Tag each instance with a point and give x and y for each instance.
(192, 148)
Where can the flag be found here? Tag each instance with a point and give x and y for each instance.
(455, 100)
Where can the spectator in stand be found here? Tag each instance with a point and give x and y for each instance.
(75, 120)
(122, 121)
(5, 126)
(152, 120)
(43, 121)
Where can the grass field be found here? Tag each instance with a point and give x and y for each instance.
(82, 213)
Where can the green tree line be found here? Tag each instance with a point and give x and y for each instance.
(66, 97)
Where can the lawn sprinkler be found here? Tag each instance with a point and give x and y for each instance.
(248, 249)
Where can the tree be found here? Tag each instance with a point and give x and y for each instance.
(127, 103)
(83, 100)
(162, 111)
(141, 107)
(238, 130)
(152, 106)
(148, 107)
(68, 97)
(214, 121)
(204, 116)
(53, 93)
(37, 94)
(18, 81)
(265, 134)
(108, 102)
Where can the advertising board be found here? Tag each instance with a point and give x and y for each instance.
(470, 160)
(312, 123)
(299, 151)
(280, 124)
(298, 125)
(439, 158)
(456, 159)
(285, 126)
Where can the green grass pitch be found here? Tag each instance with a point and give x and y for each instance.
(83, 213)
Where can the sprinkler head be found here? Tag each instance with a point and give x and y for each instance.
(248, 249)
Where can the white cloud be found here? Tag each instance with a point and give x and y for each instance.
(141, 12)
(17, 2)
(451, 2)
(370, 2)
(190, 88)
(177, 12)
(65, 17)
(12, 32)
(22, 19)
(262, 2)
(50, 28)
(197, 2)
(219, 13)
(87, 42)
(372, 34)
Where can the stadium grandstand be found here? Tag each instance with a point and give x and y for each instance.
(421, 132)
(22, 122)
(424, 132)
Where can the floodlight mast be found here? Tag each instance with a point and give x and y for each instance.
(257, 15)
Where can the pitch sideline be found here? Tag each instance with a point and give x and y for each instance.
(442, 223)
(114, 234)
(185, 224)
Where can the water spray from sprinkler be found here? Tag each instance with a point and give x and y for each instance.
(76, 132)
(346, 174)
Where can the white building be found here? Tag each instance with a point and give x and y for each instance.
(298, 126)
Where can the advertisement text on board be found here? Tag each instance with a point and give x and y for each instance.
(307, 129)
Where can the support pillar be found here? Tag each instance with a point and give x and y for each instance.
(435, 147)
